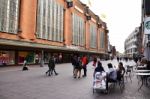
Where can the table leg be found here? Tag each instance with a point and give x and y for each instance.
(142, 79)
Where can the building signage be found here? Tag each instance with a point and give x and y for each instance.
(73, 47)
(147, 25)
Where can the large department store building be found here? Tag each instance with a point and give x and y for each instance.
(37, 29)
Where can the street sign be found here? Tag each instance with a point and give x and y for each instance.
(147, 25)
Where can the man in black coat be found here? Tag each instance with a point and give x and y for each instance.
(51, 66)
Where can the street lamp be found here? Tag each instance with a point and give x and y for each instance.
(69, 3)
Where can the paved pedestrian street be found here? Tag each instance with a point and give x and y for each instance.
(34, 84)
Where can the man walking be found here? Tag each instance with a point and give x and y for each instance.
(84, 63)
(51, 66)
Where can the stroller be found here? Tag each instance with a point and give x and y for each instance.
(99, 82)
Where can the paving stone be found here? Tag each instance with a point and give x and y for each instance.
(34, 84)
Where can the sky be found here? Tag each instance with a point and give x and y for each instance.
(121, 16)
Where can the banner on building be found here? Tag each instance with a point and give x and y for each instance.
(147, 25)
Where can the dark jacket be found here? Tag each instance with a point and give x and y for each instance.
(51, 63)
(99, 69)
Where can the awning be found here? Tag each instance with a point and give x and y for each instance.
(19, 43)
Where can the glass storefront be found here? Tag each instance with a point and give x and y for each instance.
(46, 57)
(18, 57)
(7, 58)
(29, 56)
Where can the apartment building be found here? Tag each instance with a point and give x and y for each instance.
(131, 43)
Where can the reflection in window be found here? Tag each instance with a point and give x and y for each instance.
(102, 42)
(50, 20)
(78, 29)
(93, 36)
(9, 13)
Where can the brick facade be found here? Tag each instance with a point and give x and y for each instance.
(26, 38)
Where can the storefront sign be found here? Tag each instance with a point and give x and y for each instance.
(147, 25)
(73, 47)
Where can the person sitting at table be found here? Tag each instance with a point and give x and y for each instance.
(111, 75)
(143, 61)
(120, 71)
(145, 64)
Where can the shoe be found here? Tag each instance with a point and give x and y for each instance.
(56, 74)
(84, 76)
(106, 91)
(75, 77)
(46, 73)
(78, 77)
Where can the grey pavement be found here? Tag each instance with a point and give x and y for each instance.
(34, 84)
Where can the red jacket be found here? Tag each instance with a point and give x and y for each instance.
(84, 60)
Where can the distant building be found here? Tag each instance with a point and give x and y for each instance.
(112, 51)
(133, 43)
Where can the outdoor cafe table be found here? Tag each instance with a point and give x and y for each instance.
(142, 71)
(141, 67)
(144, 76)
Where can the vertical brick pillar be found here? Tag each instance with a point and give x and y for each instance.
(106, 41)
(28, 18)
(87, 34)
(68, 27)
(98, 39)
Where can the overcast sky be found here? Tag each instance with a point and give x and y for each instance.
(122, 17)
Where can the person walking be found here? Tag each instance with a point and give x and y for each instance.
(51, 66)
(78, 68)
(120, 71)
(117, 59)
(73, 61)
(95, 62)
(84, 65)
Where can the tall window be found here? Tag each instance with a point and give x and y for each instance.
(9, 13)
(50, 20)
(102, 40)
(78, 30)
(93, 36)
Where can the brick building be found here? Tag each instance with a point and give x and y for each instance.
(37, 29)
